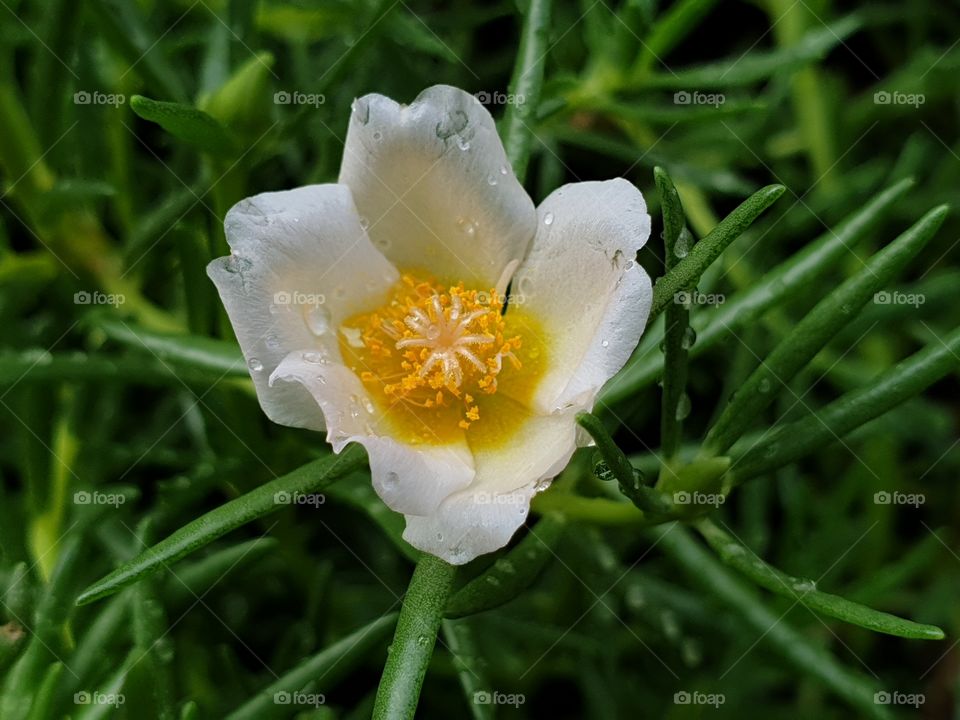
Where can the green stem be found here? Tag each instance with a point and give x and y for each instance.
(525, 86)
(414, 639)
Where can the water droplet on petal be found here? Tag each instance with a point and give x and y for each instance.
(605, 343)
(548, 219)
(503, 170)
(391, 479)
(491, 180)
(318, 320)
(312, 357)
(272, 342)
(463, 143)
(378, 136)
(237, 264)
(255, 365)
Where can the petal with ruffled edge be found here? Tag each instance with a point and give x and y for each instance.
(582, 281)
(408, 478)
(483, 517)
(290, 250)
(434, 185)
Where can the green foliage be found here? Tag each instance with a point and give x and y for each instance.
(797, 160)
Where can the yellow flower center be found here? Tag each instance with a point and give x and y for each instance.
(434, 356)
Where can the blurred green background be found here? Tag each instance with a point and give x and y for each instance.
(119, 376)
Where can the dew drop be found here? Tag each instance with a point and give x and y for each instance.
(368, 406)
(272, 342)
(361, 109)
(804, 586)
(491, 180)
(313, 357)
(764, 386)
(439, 537)
(683, 407)
(318, 320)
(453, 123)
(255, 365)
(364, 222)
(605, 343)
(422, 640)
(378, 136)
(493, 581)
(391, 479)
(463, 143)
(689, 338)
(237, 264)
(503, 170)
(548, 219)
(682, 247)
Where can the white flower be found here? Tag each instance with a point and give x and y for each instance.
(372, 308)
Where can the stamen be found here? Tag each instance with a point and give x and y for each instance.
(449, 342)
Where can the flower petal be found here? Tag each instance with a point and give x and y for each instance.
(485, 516)
(291, 250)
(582, 281)
(409, 479)
(433, 181)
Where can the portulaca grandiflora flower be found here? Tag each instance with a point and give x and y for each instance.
(423, 307)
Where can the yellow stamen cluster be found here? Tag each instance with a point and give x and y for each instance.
(432, 346)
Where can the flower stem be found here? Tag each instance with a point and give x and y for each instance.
(413, 641)
(525, 86)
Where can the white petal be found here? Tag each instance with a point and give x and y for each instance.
(433, 181)
(290, 249)
(409, 479)
(485, 516)
(582, 282)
